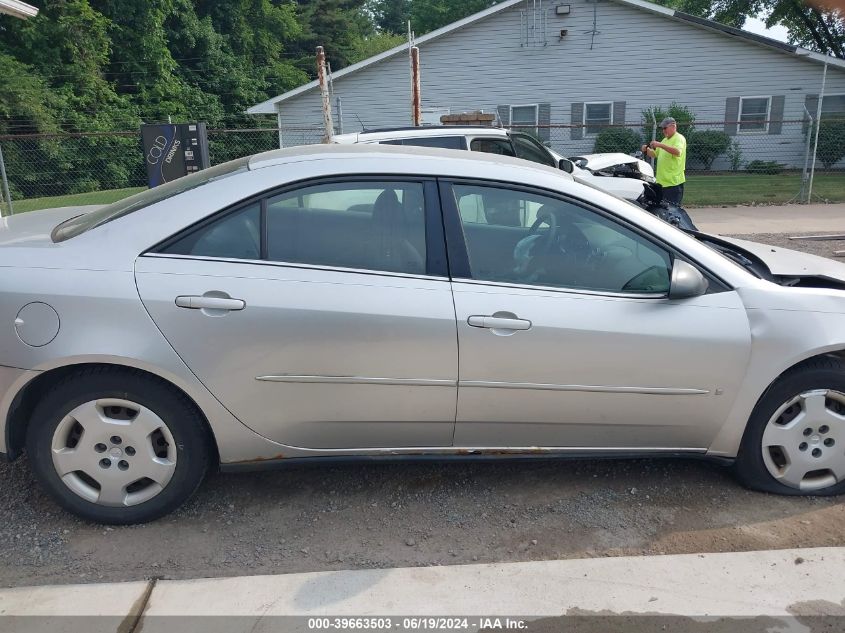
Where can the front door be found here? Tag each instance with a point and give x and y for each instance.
(567, 337)
(320, 316)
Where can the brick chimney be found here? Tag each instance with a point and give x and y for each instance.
(469, 118)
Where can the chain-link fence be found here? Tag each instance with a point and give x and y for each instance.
(727, 162)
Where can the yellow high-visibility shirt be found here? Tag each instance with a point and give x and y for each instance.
(670, 169)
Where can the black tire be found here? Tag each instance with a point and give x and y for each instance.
(750, 468)
(184, 423)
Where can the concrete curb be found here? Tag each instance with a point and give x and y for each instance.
(749, 584)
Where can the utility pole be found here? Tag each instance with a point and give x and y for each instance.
(416, 103)
(324, 94)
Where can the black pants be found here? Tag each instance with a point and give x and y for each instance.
(674, 195)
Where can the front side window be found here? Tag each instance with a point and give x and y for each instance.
(754, 114)
(370, 225)
(529, 149)
(525, 238)
(597, 116)
(500, 146)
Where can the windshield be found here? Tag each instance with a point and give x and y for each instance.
(81, 223)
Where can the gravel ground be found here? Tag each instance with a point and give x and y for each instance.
(415, 514)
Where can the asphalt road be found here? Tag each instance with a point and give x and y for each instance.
(414, 514)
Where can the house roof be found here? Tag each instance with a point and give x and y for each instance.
(269, 106)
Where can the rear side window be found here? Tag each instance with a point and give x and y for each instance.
(234, 236)
(369, 225)
(443, 142)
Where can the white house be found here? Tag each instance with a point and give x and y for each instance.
(585, 64)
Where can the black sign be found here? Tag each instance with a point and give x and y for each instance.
(174, 150)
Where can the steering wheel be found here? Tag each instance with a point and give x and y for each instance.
(550, 237)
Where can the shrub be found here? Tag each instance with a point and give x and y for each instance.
(735, 156)
(682, 114)
(831, 148)
(764, 167)
(618, 139)
(707, 146)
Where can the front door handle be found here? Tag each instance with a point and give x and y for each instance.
(499, 323)
(194, 302)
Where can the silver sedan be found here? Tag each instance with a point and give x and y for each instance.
(349, 301)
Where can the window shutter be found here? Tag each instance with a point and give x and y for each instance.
(731, 115)
(619, 113)
(504, 114)
(577, 129)
(776, 115)
(544, 120)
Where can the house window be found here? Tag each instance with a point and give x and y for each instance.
(525, 117)
(754, 114)
(597, 116)
(833, 107)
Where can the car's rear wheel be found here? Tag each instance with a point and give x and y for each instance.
(795, 440)
(117, 446)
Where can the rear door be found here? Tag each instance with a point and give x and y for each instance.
(321, 315)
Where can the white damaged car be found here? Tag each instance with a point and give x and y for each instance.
(622, 175)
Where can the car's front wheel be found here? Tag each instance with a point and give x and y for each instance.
(795, 440)
(117, 446)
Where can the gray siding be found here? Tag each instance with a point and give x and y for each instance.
(483, 66)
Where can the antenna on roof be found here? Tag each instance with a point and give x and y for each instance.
(363, 127)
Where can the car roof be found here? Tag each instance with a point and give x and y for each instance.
(420, 132)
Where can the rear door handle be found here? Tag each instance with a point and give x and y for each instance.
(499, 323)
(193, 302)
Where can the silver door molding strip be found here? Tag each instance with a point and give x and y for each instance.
(658, 391)
(360, 380)
(430, 382)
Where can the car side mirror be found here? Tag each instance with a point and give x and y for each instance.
(565, 165)
(687, 281)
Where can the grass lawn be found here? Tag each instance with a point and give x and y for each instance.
(734, 189)
(74, 200)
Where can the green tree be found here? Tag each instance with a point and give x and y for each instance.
(681, 113)
(374, 44)
(391, 16)
(618, 139)
(429, 15)
(336, 25)
(807, 25)
(707, 145)
(831, 148)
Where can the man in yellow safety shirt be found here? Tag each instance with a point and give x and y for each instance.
(671, 155)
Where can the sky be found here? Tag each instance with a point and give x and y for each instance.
(758, 26)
